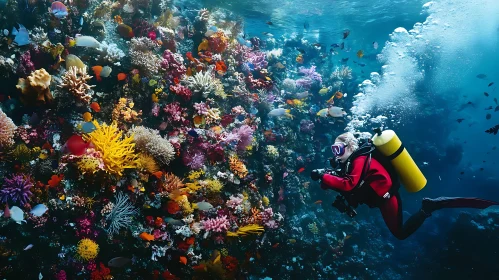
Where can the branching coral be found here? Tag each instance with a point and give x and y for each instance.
(35, 89)
(201, 82)
(118, 152)
(213, 115)
(214, 186)
(343, 73)
(246, 230)
(123, 112)
(237, 167)
(143, 57)
(16, 189)
(7, 130)
(149, 141)
(121, 215)
(75, 82)
(219, 224)
(88, 164)
(173, 65)
(170, 182)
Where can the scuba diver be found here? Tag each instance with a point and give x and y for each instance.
(368, 174)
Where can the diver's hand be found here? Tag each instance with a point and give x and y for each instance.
(317, 174)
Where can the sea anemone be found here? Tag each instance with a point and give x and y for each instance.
(16, 189)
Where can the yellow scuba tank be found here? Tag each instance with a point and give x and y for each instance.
(388, 143)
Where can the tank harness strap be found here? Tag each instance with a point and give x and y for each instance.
(396, 153)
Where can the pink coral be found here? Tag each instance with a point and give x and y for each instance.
(61, 275)
(26, 66)
(201, 108)
(194, 158)
(219, 224)
(181, 91)
(175, 112)
(234, 201)
(173, 65)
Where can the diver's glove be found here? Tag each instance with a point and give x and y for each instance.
(317, 174)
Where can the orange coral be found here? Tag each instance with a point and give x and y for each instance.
(172, 207)
(237, 167)
(170, 183)
(255, 218)
(123, 112)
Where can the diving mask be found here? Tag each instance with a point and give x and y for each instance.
(338, 149)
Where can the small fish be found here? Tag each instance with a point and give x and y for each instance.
(344, 60)
(22, 35)
(481, 76)
(118, 262)
(488, 116)
(462, 172)
(292, 241)
(492, 130)
(301, 50)
(269, 23)
(193, 133)
(28, 247)
(279, 112)
(106, 71)
(39, 210)
(335, 45)
(95, 107)
(275, 245)
(346, 33)
(125, 31)
(17, 214)
(97, 70)
(183, 260)
(306, 25)
(486, 94)
(495, 100)
(58, 9)
(482, 169)
(460, 120)
(173, 221)
(301, 169)
(87, 116)
(146, 236)
(158, 174)
(496, 109)
(318, 202)
(491, 84)
(121, 76)
(203, 206)
(489, 108)
(342, 45)
(375, 45)
(360, 54)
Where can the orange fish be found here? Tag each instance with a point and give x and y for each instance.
(183, 260)
(318, 202)
(201, 267)
(203, 46)
(146, 236)
(125, 31)
(87, 116)
(95, 107)
(121, 76)
(338, 95)
(301, 170)
(158, 174)
(220, 67)
(275, 245)
(97, 69)
(55, 180)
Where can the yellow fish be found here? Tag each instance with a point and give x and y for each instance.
(323, 90)
(323, 113)
(360, 54)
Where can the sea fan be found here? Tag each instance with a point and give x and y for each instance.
(121, 215)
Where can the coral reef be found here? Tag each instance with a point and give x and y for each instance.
(75, 81)
(35, 89)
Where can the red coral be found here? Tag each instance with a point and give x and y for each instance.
(172, 207)
(101, 274)
(230, 263)
(181, 91)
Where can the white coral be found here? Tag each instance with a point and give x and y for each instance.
(143, 57)
(184, 231)
(201, 82)
(75, 81)
(213, 115)
(149, 141)
(343, 73)
(111, 52)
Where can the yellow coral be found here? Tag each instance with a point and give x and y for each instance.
(246, 230)
(88, 165)
(87, 249)
(214, 185)
(237, 167)
(148, 163)
(22, 153)
(195, 174)
(183, 202)
(265, 201)
(118, 151)
(123, 112)
(193, 187)
(35, 89)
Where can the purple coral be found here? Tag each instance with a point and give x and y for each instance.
(245, 133)
(61, 275)
(201, 108)
(311, 76)
(219, 224)
(26, 66)
(307, 126)
(258, 60)
(173, 65)
(194, 158)
(16, 189)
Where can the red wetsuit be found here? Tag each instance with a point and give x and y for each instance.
(379, 180)
(377, 183)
